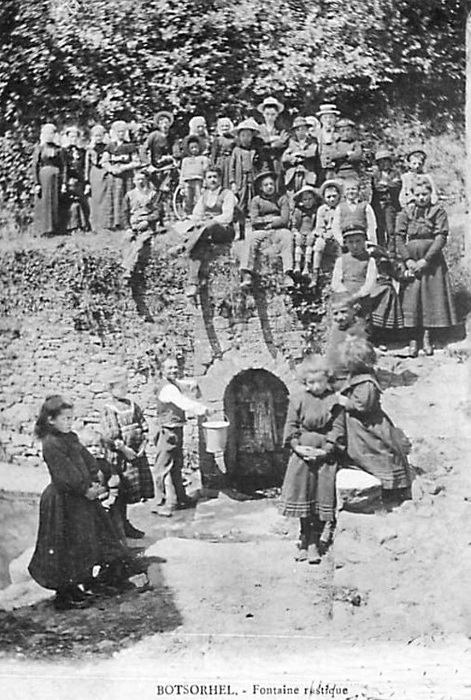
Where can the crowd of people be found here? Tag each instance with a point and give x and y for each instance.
(306, 190)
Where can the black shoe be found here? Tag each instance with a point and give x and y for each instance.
(65, 602)
(132, 532)
(78, 595)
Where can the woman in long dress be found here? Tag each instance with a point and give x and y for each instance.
(120, 159)
(427, 299)
(48, 174)
(97, 177)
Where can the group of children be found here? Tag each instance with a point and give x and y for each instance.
(81, 549)
(326, 429)
(336, 419)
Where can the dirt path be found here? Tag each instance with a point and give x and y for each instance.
(228, 600)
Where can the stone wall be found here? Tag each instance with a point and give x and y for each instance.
(67, 315)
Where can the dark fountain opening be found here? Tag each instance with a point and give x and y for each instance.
(256, 403)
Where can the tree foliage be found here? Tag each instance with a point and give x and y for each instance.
(97, 60)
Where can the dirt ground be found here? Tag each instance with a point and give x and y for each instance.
(386, 615)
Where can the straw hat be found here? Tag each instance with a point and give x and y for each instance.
(327, 108)
(345, 122)
(299, 121)
(164, 114)
(331, 183)
(261, 176)
(250, 124)
(307, 188)
(270, 102)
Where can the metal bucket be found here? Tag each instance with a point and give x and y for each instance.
(215, 434)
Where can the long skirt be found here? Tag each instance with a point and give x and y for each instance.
(379, 448)
(386, 306)
(47, 219)
(136, 480)
(427, 302)
(309, 490)
(74, 535)
(100, 182)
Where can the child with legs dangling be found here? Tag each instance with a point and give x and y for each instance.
(315, 430)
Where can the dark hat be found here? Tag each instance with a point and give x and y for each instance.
(353, 230)
(417, 148)
(193, 138)
(345, 122)
(164, 114)
(261, 176)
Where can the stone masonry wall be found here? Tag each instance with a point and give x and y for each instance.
(67, 315)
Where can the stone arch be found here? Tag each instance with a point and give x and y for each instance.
(255, 402)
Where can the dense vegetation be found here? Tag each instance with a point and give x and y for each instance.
(96, 60)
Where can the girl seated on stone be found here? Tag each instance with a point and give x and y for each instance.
(373, 442)
(315, 431)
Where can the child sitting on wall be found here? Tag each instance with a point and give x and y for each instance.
(353, 213)
(140, 214)
(306, 240)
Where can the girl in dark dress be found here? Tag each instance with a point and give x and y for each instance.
(75, 533)
(98, 179)
(48, 176)
(77, 214)
(315, 431)
(427, 298)
(374, 444)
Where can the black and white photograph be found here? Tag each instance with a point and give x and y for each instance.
(235, 342)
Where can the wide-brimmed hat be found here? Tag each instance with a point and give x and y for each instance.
(331, 183)
(307, 188)
(270, 102)
(164, 114)
(417, 148)
(261, 176)
(344, 122)
(327, 108)
(299, 121)
(383, 153)
(249, 123)
(313, 121)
